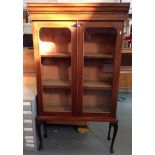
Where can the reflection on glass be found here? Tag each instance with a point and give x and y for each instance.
(55, 40)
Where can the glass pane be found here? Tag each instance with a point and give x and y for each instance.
(95, 101)
(57, 100)
(55, 52)
(99, 48)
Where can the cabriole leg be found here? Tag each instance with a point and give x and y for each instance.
(45, 129)
(109, 131)
(115, 126)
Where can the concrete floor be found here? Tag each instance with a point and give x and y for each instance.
(65, 140)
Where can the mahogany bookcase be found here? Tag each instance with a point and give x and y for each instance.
(77, 50)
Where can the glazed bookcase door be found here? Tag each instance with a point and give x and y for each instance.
(56, 52)
(97, 54)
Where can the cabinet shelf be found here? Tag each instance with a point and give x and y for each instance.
(97, 55)
(56, 55)
(96, 85)
(67, 84)
(56, 84)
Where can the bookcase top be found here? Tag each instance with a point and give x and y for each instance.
(78, 7)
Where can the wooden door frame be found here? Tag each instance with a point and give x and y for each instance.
(36, 26)
(117, 61)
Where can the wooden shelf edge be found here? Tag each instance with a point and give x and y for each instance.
(56, 55)
(97, 55)
(56, 84)
(124, 50)
(67, 84)
(96, 85)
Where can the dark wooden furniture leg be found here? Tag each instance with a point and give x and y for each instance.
(38, 128)
(45, 129)
(115, 127)
(109, 131)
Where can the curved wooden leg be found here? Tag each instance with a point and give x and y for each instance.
(38, 129)
(115, 126)
(109, 131)
(45, 129)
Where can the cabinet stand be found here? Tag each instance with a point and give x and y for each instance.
(115, 126)
(38, 128)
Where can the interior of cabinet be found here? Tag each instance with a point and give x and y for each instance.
(96, 101)
(99, 49)
(57, 100)
(55, 52)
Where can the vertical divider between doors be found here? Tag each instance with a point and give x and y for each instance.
(74, 70)
(80, 41)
